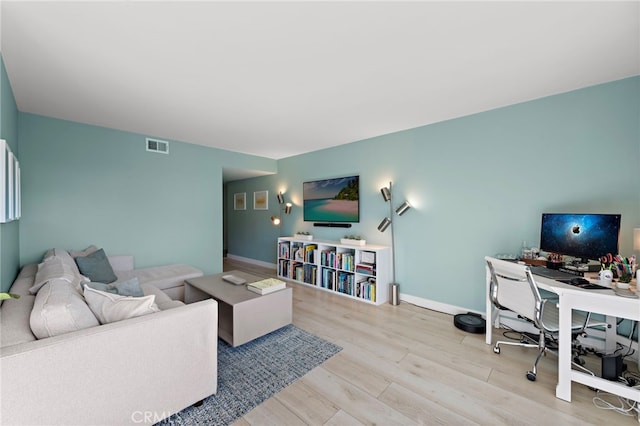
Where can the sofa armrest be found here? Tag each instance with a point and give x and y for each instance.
(121, 263)
(135, 371)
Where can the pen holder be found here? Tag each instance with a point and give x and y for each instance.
(606, 277)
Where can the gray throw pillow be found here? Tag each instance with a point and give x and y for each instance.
(96, 267)
(101, 287)
(126, 288)
(129, 288)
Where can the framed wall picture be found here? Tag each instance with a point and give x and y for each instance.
(261, 200)
(10, 202)
(240, 201)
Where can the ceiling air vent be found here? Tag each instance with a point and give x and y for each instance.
(156, 145)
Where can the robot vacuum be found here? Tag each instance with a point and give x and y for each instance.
(470, 322)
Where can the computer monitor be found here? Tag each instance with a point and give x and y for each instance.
(585, 236)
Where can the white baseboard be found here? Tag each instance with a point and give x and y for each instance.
(436, 306)
(252, 261)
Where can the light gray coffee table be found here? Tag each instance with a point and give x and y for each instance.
(242, 314)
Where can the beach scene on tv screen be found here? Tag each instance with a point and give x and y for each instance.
(332, 200)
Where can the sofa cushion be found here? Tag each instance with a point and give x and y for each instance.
(14, 327)
(109, 307)
(96, 267)
(124, 288)
(59, 308)
(14, 313)
(163, 301)
(24, 280)
(163, 277)
(53, 269)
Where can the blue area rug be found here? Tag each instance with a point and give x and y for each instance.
(254, 372)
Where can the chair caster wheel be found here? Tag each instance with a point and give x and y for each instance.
(531, 376)
(496, 349)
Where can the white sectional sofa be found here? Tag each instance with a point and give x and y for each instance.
(60, 365)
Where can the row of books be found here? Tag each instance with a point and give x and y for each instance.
(309, 253)
(344, 282)
(283, 268)
(304, 254)
(366, 290)
(344, 261)
(337, 280)
(366, 268)
(306, 273)
(283, 250)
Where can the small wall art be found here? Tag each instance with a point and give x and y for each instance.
(10, 203)
(261, 200)
(240, 201)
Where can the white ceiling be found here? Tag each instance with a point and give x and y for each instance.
(280, 79)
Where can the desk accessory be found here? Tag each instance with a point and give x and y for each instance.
(606, 277)
(625, 293)
(232, 279)
(611, 367)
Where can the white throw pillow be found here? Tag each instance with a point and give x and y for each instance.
(109, 307)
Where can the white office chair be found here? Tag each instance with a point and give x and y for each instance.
(513, 287)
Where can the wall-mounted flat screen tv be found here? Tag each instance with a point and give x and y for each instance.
(332, 200)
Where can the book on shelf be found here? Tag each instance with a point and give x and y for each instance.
(283, 249)
(309, 253)
(283, 265)
(366, 268)
(366, 289)
(266, 286)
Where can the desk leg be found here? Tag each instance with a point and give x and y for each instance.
(489, 309)
(563, 388)
(611, 335)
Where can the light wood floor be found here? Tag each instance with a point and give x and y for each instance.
(408, 365)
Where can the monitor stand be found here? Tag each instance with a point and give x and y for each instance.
(583, 265)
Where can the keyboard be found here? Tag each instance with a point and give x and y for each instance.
(565, 277)
(586, 284)
(554, 274)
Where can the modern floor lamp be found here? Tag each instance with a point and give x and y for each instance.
(387, 222)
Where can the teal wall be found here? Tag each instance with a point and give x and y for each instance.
(87, 185)
(478, 185)
(9, 232)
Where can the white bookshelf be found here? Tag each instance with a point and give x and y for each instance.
(358, 272)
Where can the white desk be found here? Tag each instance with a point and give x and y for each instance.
(570, 298)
